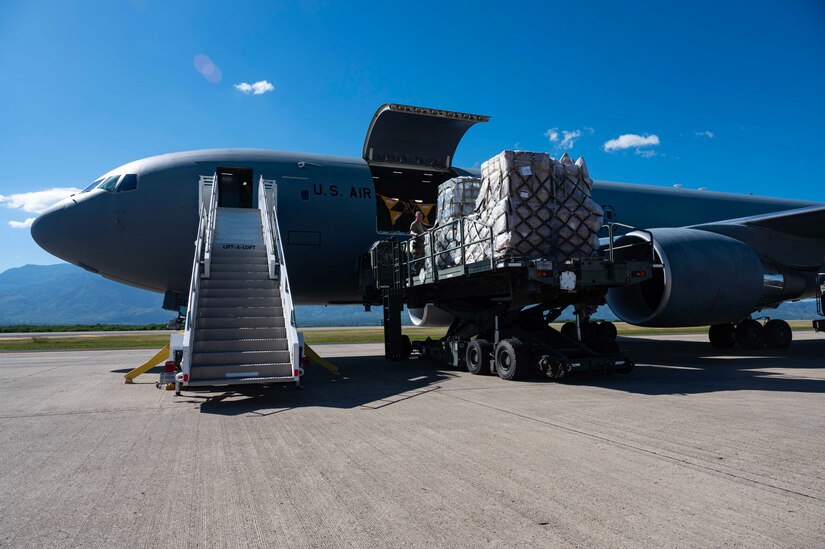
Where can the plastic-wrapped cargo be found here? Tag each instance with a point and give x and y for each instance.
(538, 207)
(456, 199)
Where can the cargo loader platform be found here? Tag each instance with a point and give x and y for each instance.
(501, 308)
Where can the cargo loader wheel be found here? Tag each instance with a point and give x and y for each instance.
(477, 356)
(568, 329)
(778, 334)
(511, 362)
(722, 336)
(607, 329)
(406, 346)
(749, 334)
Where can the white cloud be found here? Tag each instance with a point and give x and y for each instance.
(552, 134)
(632, 141)
(565, 139)
(708, 134)
(37, 201)
(22, 224)
(258, 88)
(646, 153)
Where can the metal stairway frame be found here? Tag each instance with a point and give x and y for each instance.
(201, 270)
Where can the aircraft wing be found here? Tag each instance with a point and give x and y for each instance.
(805, 222)
(794, 238)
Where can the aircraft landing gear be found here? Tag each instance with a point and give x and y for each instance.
(749, 334)
(722, 336)
(778, 334)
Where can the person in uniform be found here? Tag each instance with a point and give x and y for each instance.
(417, 230)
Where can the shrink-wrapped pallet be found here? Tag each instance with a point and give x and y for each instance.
(456, 199)
(537, 207)
(578, 219)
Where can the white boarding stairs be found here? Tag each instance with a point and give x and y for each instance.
(240, 322)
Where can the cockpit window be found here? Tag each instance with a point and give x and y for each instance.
(93, 185)
(109, 183)
(128, 183)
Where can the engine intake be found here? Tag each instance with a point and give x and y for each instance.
(430, 316)
(705, 278)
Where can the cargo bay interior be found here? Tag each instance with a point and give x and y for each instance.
(409, 151)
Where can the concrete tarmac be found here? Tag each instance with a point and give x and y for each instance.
(695, 448)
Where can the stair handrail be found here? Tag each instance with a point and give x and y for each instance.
(211, 222)
(201, 241)
(277, 266)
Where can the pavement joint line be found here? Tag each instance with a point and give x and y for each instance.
(637, 448)
(88, 412)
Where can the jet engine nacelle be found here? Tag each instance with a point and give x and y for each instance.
(706, 278)
(430, 316)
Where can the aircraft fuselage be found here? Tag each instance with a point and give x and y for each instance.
(327, 209)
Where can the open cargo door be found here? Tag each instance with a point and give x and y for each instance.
(416, 137)
(410, 152)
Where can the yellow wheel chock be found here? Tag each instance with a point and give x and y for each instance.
(317, 359)
(160, 357)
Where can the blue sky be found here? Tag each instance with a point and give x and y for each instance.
(724, 95)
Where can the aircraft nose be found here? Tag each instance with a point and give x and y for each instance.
(50, 230)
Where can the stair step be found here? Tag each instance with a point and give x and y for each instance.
(232, 284)
(239, 312)
(251, 293)
(239, 259)
(211, 334)
(257, 267)
(228, 322)
(214, 358)
(218, 372)
(230, 253)
(271, 300)
(238, 345)
(239, 275)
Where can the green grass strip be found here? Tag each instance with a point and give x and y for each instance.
(319, 335)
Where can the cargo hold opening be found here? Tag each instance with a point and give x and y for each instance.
(409, 151)
(400, 192)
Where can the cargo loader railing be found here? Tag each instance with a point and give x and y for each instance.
(428, 259)
(424, 266)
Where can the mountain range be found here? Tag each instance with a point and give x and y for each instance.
(65, 294)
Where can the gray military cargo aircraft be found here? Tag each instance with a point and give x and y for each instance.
(724, 256)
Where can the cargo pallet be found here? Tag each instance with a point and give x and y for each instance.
(502, 308)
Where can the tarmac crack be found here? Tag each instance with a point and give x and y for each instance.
(608, 440)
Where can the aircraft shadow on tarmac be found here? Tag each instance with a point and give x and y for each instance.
(688, 367)
(368, 382)
(663, 367)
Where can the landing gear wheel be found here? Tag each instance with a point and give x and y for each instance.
(778, 334)
(750, 335)
(568, 329)
(511, 362)
(477, 356)
(722, 336)
(607, 329)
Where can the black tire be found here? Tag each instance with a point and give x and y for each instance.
(511, 361)
(477, 357)
(750, 335)
(778, 334)
(722, 336)
(607, 329)
(568, 329)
